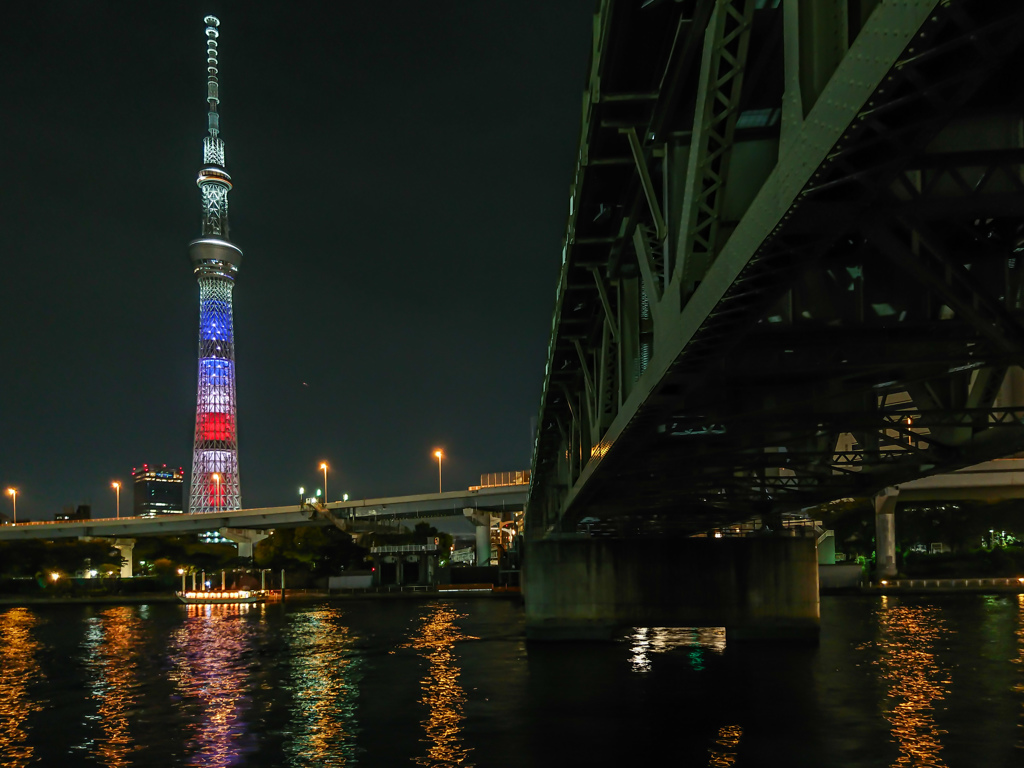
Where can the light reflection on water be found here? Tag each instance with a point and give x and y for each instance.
(209, 655)
(916, 681)
(312, 684)
(647, 640)
(325, 674)
(727, 741)
(1019, 687)
(111, 647)
(18, 670)
(442, 695)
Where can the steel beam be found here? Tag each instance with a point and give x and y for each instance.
(793, 333)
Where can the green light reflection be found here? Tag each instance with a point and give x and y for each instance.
(645, 641)
(326, 671)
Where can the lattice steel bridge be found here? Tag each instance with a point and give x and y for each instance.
(792, 264)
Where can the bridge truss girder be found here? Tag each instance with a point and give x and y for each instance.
(791, 267)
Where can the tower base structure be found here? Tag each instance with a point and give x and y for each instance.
(758, 588)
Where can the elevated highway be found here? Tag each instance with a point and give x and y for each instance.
(341, 513)
(995, 480)
(791, 273)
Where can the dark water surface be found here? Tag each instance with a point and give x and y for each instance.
(897, 681)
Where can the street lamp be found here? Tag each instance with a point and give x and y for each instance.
(117, 492)
(13, 493)
(216, 479)
(323, 466)
(302, 497)
(439, 454)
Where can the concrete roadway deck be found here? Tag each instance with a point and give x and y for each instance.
(498, 499)
(991, 481)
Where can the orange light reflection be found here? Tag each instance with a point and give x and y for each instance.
(112, 642)
(18, 669)
(1019, 687)
(728, 739)
(907, 662)
(442, 695)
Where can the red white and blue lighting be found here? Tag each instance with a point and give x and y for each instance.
(215, 481)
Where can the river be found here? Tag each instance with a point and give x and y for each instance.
(895, 681)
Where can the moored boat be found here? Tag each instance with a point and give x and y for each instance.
(222, 596)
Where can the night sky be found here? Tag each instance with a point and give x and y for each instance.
(401, 176)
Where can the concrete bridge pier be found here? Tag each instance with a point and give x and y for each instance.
(482, 522)
(245, 538)
(125, 547)
(885, 533)
(758, 588)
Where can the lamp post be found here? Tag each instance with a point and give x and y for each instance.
(439, 453)
(323, 466)
(13, 493)
(117, 493)
(302, 498)
(216, 479)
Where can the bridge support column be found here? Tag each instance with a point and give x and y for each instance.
(578, 588)
(482, 521)
(244, 538)
(885, 533)
(125, 547)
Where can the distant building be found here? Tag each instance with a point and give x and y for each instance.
(83, 512)
(502, 479)
(157, 491)
(213, 537)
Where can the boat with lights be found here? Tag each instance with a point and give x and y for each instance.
(222, 597)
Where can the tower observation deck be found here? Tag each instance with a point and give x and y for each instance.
(215, 480)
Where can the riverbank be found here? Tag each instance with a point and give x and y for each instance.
(930, 586)
(852, 579)
(302, 595)
(946, 586)
(139, 599)
(894, 586)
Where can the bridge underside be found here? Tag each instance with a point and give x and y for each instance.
(792, 264)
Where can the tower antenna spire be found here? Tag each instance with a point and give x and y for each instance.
(215, 479)
(212, 83)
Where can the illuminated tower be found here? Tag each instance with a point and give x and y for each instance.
(215, 481)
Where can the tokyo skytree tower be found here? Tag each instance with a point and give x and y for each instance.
(215, 481)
